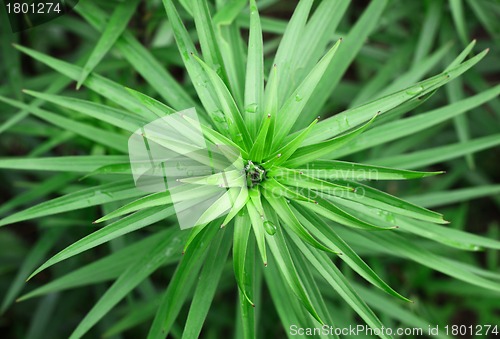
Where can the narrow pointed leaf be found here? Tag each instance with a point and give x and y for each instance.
(116, 25)
(80, 164)
(233, 118)
(258, 149)
(369, 196)
(408, 126)
(180, 285)
(439, 154)
(123, 226)
(337, 124)
(143, 266)
(119, 118)
(316, 151)
(275, 188)
(111, 266)
(105, 87)
(287, 268)
(299, 179)
(335, 213)
(284, 212)
(258, 230)
(92, 196)
(110, 139)
(338, 282)
(207, 285)
(284, 153)
(324, 231)
(334, 169)
(242, 225)
(254, 81)
(293, 106)
(142, 60)
(206, 35)
(156, 107)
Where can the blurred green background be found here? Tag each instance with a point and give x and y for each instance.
(413, 40)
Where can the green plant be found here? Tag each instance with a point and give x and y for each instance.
(301, 204)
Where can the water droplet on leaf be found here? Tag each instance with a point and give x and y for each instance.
(252, 108)
(239, 137)
(414, 90)
(218, 116)
(270, 227)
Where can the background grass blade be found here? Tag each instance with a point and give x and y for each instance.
(114, 28)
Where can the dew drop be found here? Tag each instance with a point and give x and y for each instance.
(414, 90)
(238, 137)
(346, 121)
(210, 180)
(338, 125)
(270, 227)
(218, 116)
(218, 69)
(252, 108)
(298, 98)
(390, 217)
